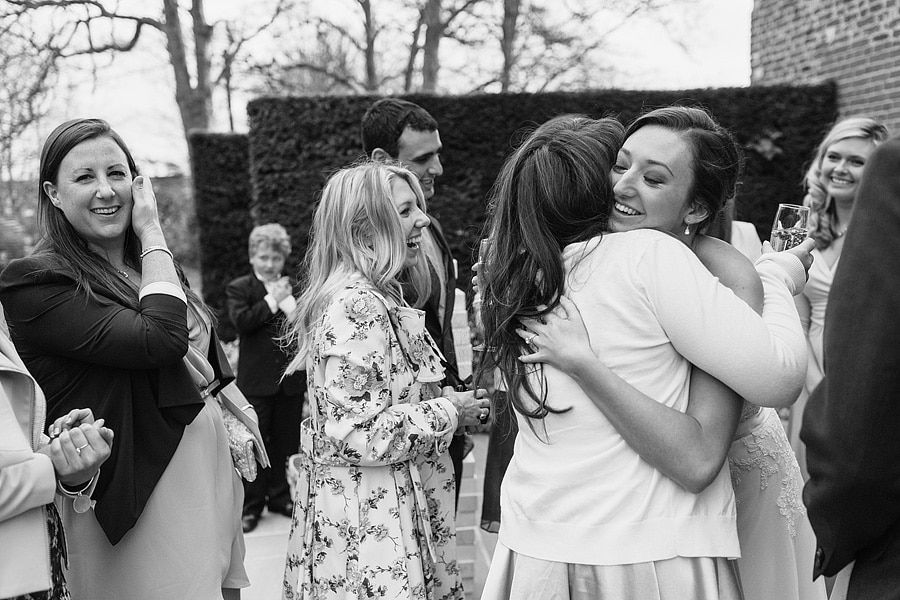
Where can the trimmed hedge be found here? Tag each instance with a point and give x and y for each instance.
(221, 178)
(295, 143)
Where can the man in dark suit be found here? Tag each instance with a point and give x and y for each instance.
(852, 421)
(258, 304)
(401, 131)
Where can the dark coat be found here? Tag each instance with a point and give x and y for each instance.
(852, 419)
(261, 361)
(126, 365)
(442, 331)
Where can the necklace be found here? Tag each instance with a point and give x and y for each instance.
(122, 273)
(840, 233)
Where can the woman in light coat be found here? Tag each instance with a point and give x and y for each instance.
(34, 470)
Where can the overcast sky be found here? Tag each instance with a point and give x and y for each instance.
(135, 93)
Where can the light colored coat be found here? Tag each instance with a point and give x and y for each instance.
(27, 479)
(374, 512)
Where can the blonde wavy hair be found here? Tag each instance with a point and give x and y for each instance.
(822, 210)
(356, 230)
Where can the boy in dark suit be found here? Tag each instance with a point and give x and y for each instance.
(258, 304)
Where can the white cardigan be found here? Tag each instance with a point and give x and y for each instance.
(575, 491)
(27, 480)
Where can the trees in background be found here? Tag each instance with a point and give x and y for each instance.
(433, 46)
(95, 28)
(28, 75)
(342, 46)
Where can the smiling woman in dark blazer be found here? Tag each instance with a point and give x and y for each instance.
(101, 319)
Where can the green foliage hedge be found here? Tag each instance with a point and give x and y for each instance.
(222, 198)
(295, 143)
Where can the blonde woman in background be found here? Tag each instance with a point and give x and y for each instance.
(831, 182)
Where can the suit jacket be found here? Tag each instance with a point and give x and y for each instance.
(261, 361)
(852, 419)
(126, 365)
(442, 329)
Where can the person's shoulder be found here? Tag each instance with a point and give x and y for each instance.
(727, 263)
(358, 301)
(29, 268)
(716, 252)
(242, 281)
(641, 242)
(637, 236)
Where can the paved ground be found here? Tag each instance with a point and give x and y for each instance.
(266, 546)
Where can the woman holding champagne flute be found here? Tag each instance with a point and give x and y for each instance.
(831, 183)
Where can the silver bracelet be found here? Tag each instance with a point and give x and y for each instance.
(150, 249)
(80, 503)
(72, 493)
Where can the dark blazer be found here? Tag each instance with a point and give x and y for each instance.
(126, 365)
(442, 330)
(261, 361)
(852, 421)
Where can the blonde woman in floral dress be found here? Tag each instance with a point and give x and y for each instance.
(374, 509)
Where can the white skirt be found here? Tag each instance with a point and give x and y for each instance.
(519, 577)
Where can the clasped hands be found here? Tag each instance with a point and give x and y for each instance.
(78, 446)
(281, 289)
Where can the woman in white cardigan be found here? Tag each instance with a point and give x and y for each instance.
(35, 470)
(586, 514)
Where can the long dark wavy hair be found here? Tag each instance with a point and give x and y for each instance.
(554, 190)
(68, 249)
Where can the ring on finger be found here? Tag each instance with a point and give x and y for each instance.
(78, 449)
(483, 415)
(530, 339)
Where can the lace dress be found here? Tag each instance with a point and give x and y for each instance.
(374, 507)
(777, 542)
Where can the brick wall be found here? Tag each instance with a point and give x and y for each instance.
(853, 42)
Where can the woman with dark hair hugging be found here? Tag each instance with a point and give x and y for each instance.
(609, 493)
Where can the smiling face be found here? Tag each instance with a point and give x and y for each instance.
(652, 179)
(412, 218)
(93, 191)
(420, 152)
(842, 167)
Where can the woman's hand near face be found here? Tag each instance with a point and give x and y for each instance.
(473, 407)
(559, 338)
(145, 214)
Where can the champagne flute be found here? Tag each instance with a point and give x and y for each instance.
(791, 226)
(484, 249)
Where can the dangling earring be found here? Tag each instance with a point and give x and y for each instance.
(687, 229)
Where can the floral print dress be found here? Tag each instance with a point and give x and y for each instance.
(374, 508)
